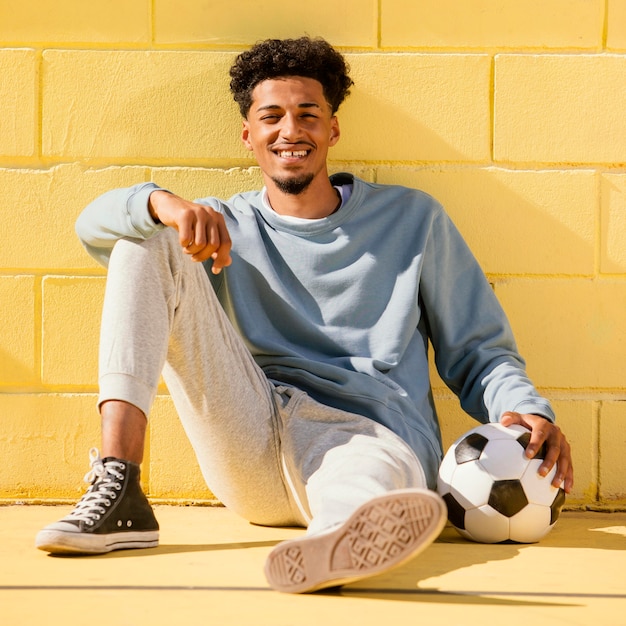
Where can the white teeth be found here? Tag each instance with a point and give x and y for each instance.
(292, 153)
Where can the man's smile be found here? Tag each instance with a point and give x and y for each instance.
(292, 154)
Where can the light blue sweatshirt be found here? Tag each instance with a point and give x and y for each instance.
(344, 307)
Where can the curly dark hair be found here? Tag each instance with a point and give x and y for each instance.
(278, 58)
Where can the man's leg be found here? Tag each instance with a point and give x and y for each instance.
(160, 306)
(365, 495)
(123, 431)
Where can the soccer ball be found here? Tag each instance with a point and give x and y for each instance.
(493, 491)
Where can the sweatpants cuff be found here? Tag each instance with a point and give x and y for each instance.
(128, 389)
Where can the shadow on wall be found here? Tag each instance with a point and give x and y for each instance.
(13, 371)
(380, 130)
(134, 115)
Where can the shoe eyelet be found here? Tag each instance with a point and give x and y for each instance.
(119, 523)
(129, 523)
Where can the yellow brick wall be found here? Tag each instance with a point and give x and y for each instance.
(512, 113)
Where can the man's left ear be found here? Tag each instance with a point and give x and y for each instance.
(335, 133)
(245, 135)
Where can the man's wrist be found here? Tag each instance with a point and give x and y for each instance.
(151, 205)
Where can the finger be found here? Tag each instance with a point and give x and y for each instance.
(217, 247)
(553, 452)
(205, 243)
(564, 475)
(539, 429)
(221, 256)
(196, 242)
(186, 235)
(538, 437)
(509, 418)
(569, 479)
(200, 232)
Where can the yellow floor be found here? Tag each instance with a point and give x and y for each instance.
(209, 570)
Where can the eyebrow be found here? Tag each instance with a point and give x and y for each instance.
(303, 105)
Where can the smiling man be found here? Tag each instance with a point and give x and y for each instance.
(292, 325)
(290, 127)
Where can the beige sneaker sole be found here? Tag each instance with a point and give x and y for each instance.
(383, 533)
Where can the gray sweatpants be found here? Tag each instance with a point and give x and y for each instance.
(269, 452)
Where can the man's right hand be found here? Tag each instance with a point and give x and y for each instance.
(202, 231)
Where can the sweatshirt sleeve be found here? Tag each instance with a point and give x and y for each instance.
(475, 352)
(116, 214)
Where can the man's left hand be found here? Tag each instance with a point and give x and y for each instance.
(558, 449)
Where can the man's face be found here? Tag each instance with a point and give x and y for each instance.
(289, 128)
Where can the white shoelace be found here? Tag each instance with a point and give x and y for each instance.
(107, 481)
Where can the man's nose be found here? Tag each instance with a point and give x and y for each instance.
(290, 127)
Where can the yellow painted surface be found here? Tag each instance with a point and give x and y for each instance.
(613, 223)
(613, 442)
(44, 443)
(194, 183)
(139, 105)
(560, 108)
(429, 107)
(616, 31)
(75, 21)
(71, 318)
(497, 23)
(19, 337)
(42, 206)
(18, 102)
(348, 23)
(209, 569)
(553, 212)
(572, 332)
(511, 114)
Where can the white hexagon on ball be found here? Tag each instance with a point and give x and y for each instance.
(531, 524)
(504, 459)
(485, 525)
(471, 485)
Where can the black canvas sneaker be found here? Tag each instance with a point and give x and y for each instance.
(114, 513)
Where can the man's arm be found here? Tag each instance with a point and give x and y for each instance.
(113, 215)
(141, 211)
(475, 352)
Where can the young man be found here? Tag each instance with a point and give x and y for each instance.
(295, 347)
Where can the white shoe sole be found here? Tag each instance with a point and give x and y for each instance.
(64, 542)
(381, 534)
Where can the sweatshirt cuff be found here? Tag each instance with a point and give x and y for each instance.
(138, 212)
(536, 407)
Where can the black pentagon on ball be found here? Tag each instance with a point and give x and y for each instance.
(507, 497)
(524, 440)
(557, 505)
(470, 448)
(456, 512)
